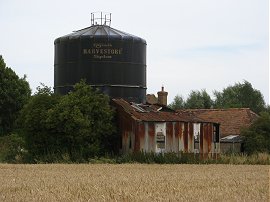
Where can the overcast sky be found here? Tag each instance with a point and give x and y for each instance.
(191, 44)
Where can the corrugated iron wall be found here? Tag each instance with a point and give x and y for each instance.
(169, 136)
(179, 136)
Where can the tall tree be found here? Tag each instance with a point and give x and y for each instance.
(178, 103)
(240, 95)
(198, 100)
(14, 93)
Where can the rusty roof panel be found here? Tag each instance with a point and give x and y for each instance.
(155, 113)
(231, 120)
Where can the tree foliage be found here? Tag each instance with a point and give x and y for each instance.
(12, 149)
(240, 95)
(257, 136)
(198, 100)
(32, 122)
(79, 124)
(83, 120)
(178, 103)
(14, 93)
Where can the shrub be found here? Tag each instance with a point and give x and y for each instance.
(79, 124)
(12, 149)
(257, 136)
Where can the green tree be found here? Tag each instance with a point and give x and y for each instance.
(78, 124)
(178, 103)
(257, 136)
(83, 120)
(32, 122)
(267, 109)
(198, 100)
(240, 95)
(14, 93)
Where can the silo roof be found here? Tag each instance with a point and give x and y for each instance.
(101, 31)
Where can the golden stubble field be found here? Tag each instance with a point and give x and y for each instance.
(133, 182)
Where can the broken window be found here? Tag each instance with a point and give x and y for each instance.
(196, 132)
(160, 130)
(216, 133)
(130, 143)
(160, 140)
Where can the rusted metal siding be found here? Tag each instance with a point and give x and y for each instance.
(174, 141)
(137, 138)
(169, 137)
(141, 134)
(205, 138)
(185, 137)
(190, 138)
(179, 136)
(181, 139)
(176, 135)
(201, 138)
(210, 137)
(146, 137)
(206, 144)
(126, 126)
(148, 130)
(151, 137)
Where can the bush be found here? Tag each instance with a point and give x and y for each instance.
(12, 149)
(82, 122)
(32, 125)
(257, 136)
(79, 125)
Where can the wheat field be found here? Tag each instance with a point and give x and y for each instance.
(133, 182)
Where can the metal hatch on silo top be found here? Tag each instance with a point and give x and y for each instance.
(108, 59)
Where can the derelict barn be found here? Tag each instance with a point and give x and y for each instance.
(115, 62)
(231, 121)
(158, 129)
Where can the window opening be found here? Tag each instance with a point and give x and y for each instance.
(160, 140)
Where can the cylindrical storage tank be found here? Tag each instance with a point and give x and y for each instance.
(108, 59)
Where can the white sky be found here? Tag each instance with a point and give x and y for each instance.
(191, 44)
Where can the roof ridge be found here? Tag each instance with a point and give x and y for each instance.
(216, 109)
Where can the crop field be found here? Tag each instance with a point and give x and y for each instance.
(133, 182)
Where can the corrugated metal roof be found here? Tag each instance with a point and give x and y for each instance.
(231, 120)
(101, 31)
(155, 114)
